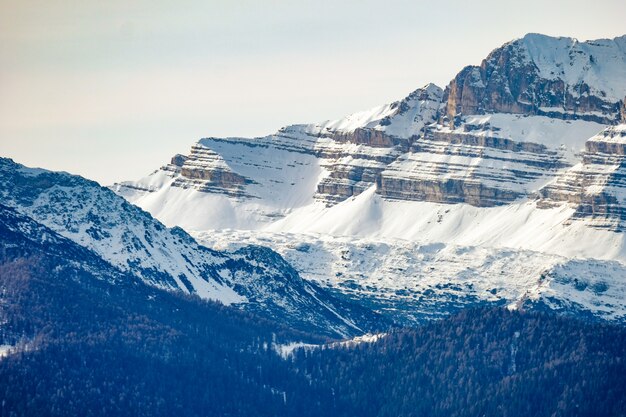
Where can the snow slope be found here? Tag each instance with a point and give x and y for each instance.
(404, 118)
(599, 63)
(123, 235)
(410, 281)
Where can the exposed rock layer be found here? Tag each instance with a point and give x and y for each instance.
(512, 79)
(597, 186)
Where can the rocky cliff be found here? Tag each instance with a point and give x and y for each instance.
(595, 187)
(541, 75)
(390, 129)
(473, 164)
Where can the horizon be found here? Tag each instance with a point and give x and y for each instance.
(111, 92)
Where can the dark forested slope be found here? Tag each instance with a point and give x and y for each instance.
(480, 363)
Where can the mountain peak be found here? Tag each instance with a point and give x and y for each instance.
(559, 77)
(543, 38)
(432, 88)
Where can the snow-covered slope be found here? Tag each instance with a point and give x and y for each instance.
(123, 235)
(402, 119)
(598, 64)
(411, 281)
(520, 157)
(21, 238)
(254, 278)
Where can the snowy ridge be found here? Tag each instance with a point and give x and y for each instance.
(253, 278)
(121, 234)
(404, 118)
(410, 281)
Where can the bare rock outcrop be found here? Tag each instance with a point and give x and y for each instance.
(540, 75)
(596, 187)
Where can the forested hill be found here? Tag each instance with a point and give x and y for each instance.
(480, 363)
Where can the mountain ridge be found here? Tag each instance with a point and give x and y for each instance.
(487, 164)
(131, 240)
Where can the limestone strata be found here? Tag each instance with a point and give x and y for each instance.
(384, 135)
(205, 170)
(444, 190)
(596, 187)
(347, 180)
(448, 166)
(369, 137)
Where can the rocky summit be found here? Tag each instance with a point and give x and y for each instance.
(540, 75)
(520, 159)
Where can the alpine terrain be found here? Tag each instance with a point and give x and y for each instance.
(506, 187)
(460, 252)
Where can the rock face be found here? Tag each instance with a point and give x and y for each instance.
(390, 129)
(206, 171)
(468, 165)
(596, 187)
(540, 75)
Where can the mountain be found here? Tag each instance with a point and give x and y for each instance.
(129, 239)
(81, 337)
(542, 75)
(506, 187)
(496, 205)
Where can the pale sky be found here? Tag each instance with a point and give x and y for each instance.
(112, 89)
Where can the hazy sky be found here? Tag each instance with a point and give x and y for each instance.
(112, 89)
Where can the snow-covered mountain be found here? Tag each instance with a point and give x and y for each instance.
(131, 240)
(507, 186)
